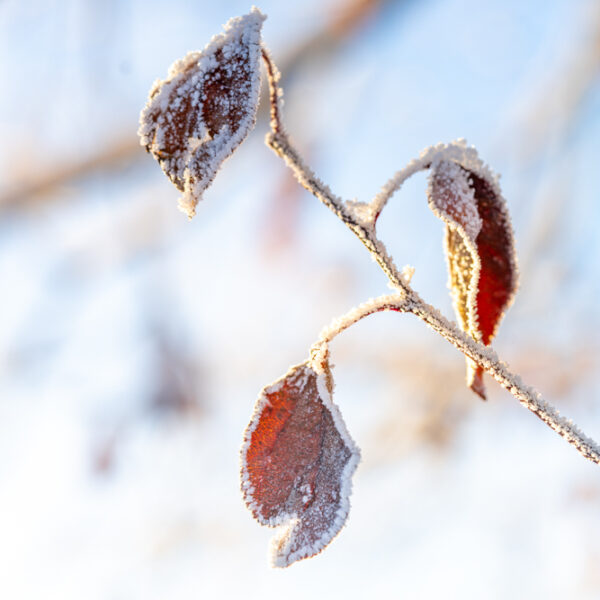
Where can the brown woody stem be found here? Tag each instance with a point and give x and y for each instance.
(364, 229)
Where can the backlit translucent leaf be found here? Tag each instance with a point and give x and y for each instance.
(297, 463)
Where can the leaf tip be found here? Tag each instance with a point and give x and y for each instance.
(475, 380)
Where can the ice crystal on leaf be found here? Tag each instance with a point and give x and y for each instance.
(297, 462)
(204, 109)
(480, 251)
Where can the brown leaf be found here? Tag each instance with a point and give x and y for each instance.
(205, 108)
(480, 250)
(297, 463)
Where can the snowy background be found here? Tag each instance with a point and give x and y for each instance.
(133, 342)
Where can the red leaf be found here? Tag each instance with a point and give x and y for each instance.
(205, 108)
(479, 247)
(297, 461)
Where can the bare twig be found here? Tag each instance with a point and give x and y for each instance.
(361, 220)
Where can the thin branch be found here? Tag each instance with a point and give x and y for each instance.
(362, 224)
(396, 302)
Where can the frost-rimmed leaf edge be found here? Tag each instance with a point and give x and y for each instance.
(161, 90)
(318, 363)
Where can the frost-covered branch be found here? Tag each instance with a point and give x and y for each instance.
(395, 302)
(361, 220)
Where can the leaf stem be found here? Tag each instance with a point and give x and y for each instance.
(274, 91)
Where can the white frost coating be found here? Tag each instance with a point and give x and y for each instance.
(362, 212)
(395, 301)
(306, 492)
(459, 199)
(407, 272)
(457, 151)
(193, 168)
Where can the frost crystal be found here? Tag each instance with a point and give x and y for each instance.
(197, 117)
(297, 462)
(454, 200)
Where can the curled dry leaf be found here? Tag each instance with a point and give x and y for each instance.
(297, 462)
(204, 109)
(479, 247)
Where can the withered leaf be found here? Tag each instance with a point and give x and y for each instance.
(297, 462)
(480, 250)
(203, 110)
